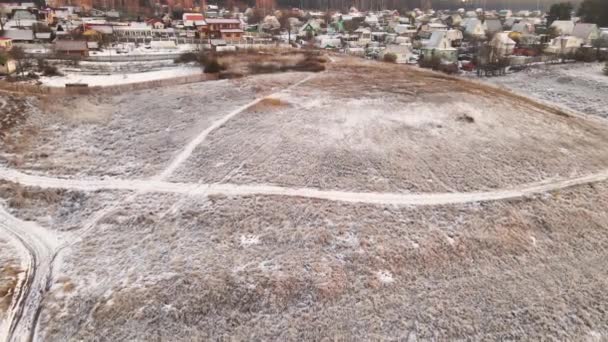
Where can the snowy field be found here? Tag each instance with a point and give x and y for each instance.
(581, 86)
(118, 78)
(410, 135)
(129, 135)
(295, 269)
(306, 238)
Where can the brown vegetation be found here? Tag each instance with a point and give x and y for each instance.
(19, 196)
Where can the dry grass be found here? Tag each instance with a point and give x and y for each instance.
(8, 281)
(250, 63)
(316, 271)
(19, 196)
(268, 103)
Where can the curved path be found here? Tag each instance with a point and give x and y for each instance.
(202, 189)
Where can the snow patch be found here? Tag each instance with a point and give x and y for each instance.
(385, 277)
(250, 240)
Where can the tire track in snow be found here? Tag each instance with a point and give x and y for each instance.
(207, 189)
(37, 246)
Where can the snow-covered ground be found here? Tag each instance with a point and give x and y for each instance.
(119, 78)
(272, 265)
(581, 86)
(134, 134)
(122, 49)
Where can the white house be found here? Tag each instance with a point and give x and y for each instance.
(563, 27)
(564, 45)
(502, 45)
(474, 27)
(587, 32)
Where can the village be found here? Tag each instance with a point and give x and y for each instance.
(464, 41)
(299, 170)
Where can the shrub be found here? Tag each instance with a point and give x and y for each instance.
(50, 70)
(390, 57)
(187, 57)
(213, 66)
(433, 63)
(585, 55)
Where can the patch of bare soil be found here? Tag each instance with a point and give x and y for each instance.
(9, 272)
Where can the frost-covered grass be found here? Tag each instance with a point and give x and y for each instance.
(581, 86)
(396, 130)
(331, 270)
(169, 267)
(9, 270)
(62, 210)
(134, 134)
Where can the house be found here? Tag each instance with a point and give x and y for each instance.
(43, 36)
(439, 46)
(509, 22)
(455, 36)
(231, 29)
(231, 35)
(7, 65)
(156, 23)
(502, 45)
(493, 26)
(430, 27)
(453, 20)
(505, 14)
(564, 45)
(193, 20)
(72, 48)
(474, 27)
(24, 36)
(365, 36)
(310, 29)
(523, 27)
(587, 32)
(403, 53)
(5, 44)
(563, 27)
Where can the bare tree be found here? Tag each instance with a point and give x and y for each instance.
(17, 53)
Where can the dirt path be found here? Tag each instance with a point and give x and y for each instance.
(37, 247)
(188, 149)
(202, 189)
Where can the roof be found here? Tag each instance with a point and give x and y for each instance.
(564, 26)
(436, 40)
(493, 25)
(223, 21)
(71, 45)
(471, 24)
(502, 38)
(19, 34)
(584, 30)
(193, 16)
(523, 27)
